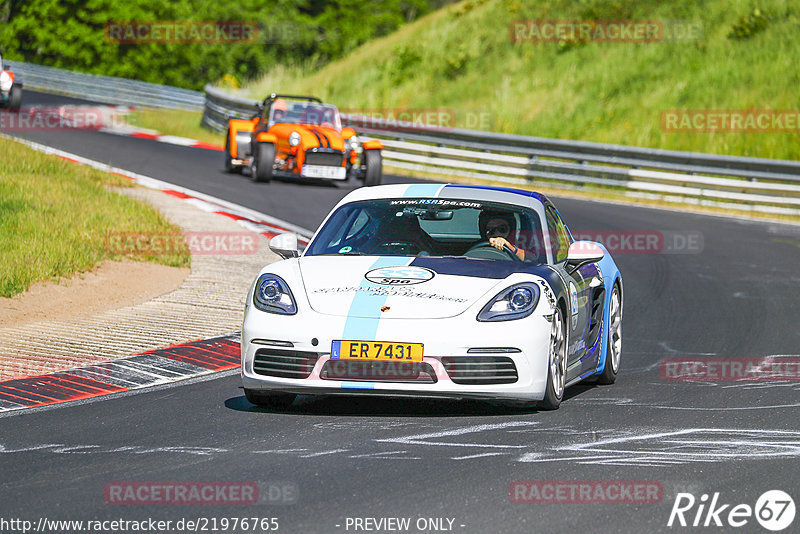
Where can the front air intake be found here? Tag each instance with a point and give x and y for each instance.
(480, 370)
(333, 158)
(284, 363)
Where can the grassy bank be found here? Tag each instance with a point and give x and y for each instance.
(55, 217)
(462, 58)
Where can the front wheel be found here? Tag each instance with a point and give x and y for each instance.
(15, 97)
(263, 160)
(273, 400)
(374, 163)
(614, 345)
(557, 363)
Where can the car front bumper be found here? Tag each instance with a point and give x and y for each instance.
(454, 339)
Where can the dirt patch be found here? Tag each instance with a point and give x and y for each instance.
(112, 285)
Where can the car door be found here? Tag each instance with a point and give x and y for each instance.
(580, 284)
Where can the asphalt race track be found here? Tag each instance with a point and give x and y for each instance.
(735, 296)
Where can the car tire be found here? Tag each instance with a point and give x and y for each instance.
(15, 97)
(556, 363)
(374, 164)
(263, 160)
(614, 343)
(229, 166)
(274, 400)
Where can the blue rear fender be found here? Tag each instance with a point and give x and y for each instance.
(611, 275)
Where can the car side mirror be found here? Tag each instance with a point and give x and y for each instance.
(285, 245)
(582, 252)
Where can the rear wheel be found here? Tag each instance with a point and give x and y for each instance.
(614, 347)
(229, 166)
(15, 97)
(557, 363)
(274, 400)
(374, 163)
(263, 160)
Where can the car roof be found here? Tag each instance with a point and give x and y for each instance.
(505, 195)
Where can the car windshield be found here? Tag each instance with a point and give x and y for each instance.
(303, 112)
(429, 227)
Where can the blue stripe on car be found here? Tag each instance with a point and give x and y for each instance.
(423, 190)
(610, 273)
(358, 385)
(533, 194)
(365, 309)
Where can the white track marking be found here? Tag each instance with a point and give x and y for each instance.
(422, 439)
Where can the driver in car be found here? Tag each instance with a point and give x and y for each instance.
(278, 110)
(498, 228)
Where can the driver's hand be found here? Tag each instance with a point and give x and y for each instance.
(499, 243)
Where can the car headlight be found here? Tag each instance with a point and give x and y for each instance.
(515, 302)
(353, 144)
(294, 139)
(272, 295)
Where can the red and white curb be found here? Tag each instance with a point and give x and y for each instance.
(115, 125)
(101, 118)
(143, 133)
(252, 220)
(151, 368)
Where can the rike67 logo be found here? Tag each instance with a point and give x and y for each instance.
(774, 510)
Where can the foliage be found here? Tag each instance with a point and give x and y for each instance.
(747, 26)
(72, 34)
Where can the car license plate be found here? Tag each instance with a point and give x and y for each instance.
(323, 171)
(381, 351)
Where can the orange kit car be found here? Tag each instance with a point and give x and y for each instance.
(299, 136)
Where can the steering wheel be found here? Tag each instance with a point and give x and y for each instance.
(485, 250)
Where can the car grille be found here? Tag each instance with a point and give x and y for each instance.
(334, 158)
(405, 372)
(476, 370)
(284, 363)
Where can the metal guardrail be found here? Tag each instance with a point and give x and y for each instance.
(106, 89)
(220, 107)
(750, 184)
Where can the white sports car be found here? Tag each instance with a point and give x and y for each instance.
(406, 290)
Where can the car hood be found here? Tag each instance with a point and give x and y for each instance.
(310, 135)
(393, 287)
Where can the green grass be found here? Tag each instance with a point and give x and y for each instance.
(461, 58)
(55, 217)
